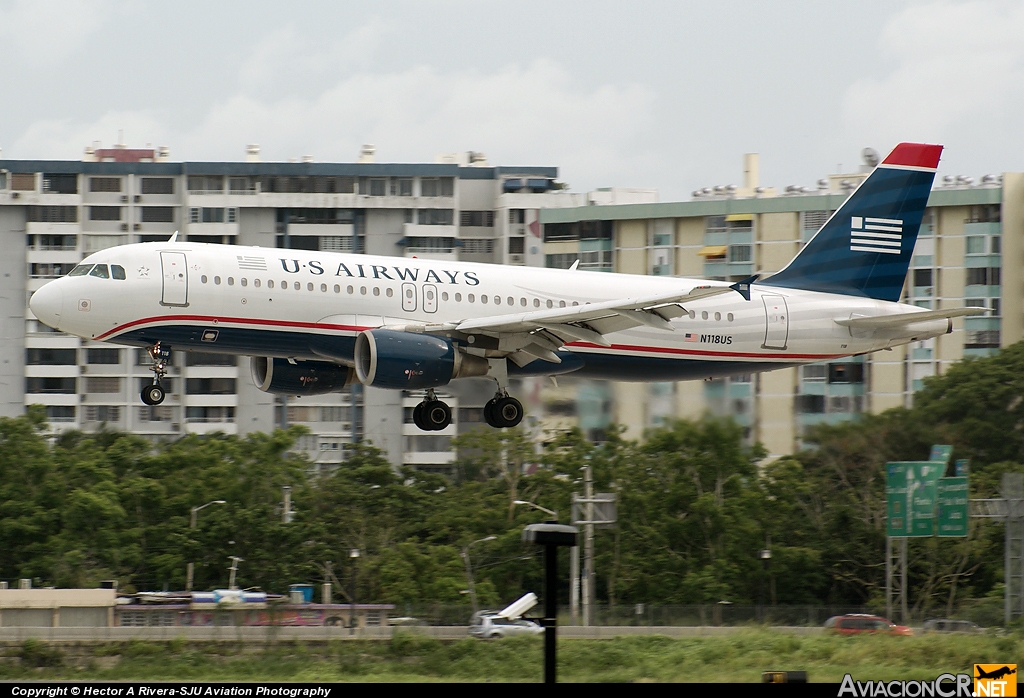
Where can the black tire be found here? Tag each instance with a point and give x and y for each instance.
(489, 413)
(417, 416)
(507, 412)
(153, 394)
(436, 415)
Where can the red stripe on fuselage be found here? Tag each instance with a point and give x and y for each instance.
(356, 328)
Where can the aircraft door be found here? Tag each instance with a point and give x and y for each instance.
(776, 315)
(409, 297)
(175, 278)
(429, 298)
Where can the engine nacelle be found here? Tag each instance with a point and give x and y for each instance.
(281, 377)
(411, 361)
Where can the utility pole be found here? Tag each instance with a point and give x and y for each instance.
(325, 590)
(588, 548)
(286, 510)
(234, 571)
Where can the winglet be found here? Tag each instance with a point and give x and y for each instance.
(574, 265)
(174, 238)
(743, 287)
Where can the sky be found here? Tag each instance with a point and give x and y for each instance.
(664, 95)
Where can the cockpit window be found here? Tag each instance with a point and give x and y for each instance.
(100, 270)
(117, 271)
(80, 270)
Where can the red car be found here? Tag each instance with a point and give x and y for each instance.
(856, 623)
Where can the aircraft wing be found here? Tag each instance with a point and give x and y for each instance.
(904, 319)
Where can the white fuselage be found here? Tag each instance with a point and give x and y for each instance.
(311, 305)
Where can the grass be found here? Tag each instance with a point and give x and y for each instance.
(740, 658)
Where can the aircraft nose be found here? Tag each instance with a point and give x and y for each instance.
(47, 304)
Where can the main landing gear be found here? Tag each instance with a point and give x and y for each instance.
(154, 394)
(503, 411)
(432, 414)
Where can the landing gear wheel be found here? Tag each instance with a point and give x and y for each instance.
(417, 416)
(508, 411)
(436, 415)
(153, 394)
(503, 411)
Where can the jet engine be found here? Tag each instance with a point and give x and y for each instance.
(282, 377)
(411, 361)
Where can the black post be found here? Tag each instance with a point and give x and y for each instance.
(550, 535)
(550, 610)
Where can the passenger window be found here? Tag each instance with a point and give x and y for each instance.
(561, 304)
(216, 280)
(458, 297)
(337, 288)
(256, 283)
(522, 302)
(376, 290)
(472, 298)
(203, 278)
(536, 302)
(117, 271)
(244, 281)
(497, 300)
(550, 304)
(100, 271)
(511, 300)
(444, 295)
(231, 281)
(309, 287)
(390, 292)
(362, 290)
(323, 288)
(351, 290)
(270, 283)
(80, 270)
(483, 299)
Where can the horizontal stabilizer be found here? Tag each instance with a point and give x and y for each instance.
(903, 319)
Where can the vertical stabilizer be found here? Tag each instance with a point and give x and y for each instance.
(864, 249)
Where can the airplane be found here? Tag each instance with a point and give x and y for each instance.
(315, 322)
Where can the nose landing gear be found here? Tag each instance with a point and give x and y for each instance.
(432, 414)
(154, 394)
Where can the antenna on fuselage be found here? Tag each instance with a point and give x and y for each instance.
(574, 265)
(174, 238)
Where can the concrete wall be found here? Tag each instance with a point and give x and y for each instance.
(1013, 258)
(13, 272)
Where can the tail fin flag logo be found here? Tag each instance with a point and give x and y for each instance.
(884, 235)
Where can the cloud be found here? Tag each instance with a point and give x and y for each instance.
(954, 65)
(532, 114)
(45, 32)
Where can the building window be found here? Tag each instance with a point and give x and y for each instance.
(378, 187)
(436, 216)
(103, 356)
(560, 261)
(516, 245)
(101, 413)
(815, 373)
(157, 214)
(517, 216)
(162, 413)
(810, 404)
(437, 186)
(232, 215)
(241, 185)
(846, 373)
(985, 213)
(560, 231)
(209, 414)
(157, 185)
(105, 184)
(212, 215)
(199, 184)
(23, 182)
(981, 339)
(49, 270)
(336, 243)
(401, 186)
(104, 213)
(51, 357)
(984, 276)
(61, 386)
(60, 183)
(52, 214)
(740, 253)
(210, 386)
(476, 219)
(595, 259)
(102, 384)
(922, 277)
(60, 413)
(201, 358)
(429, 244)
(478, 246)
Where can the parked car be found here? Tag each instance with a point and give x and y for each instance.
(856, 623)
(947, 625)
(490, 625)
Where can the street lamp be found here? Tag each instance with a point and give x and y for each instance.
(469, 569)
(190, 575)
(550, 512)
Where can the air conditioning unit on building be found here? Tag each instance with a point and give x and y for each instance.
(15, 194)
(124, 226)
(138, 199)
(137, 226)
(124, 199)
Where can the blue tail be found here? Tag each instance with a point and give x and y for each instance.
(864, 249)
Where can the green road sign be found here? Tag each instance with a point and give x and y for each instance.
(951, 498)
(963, 467)
(941, 453)
(910, 498)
